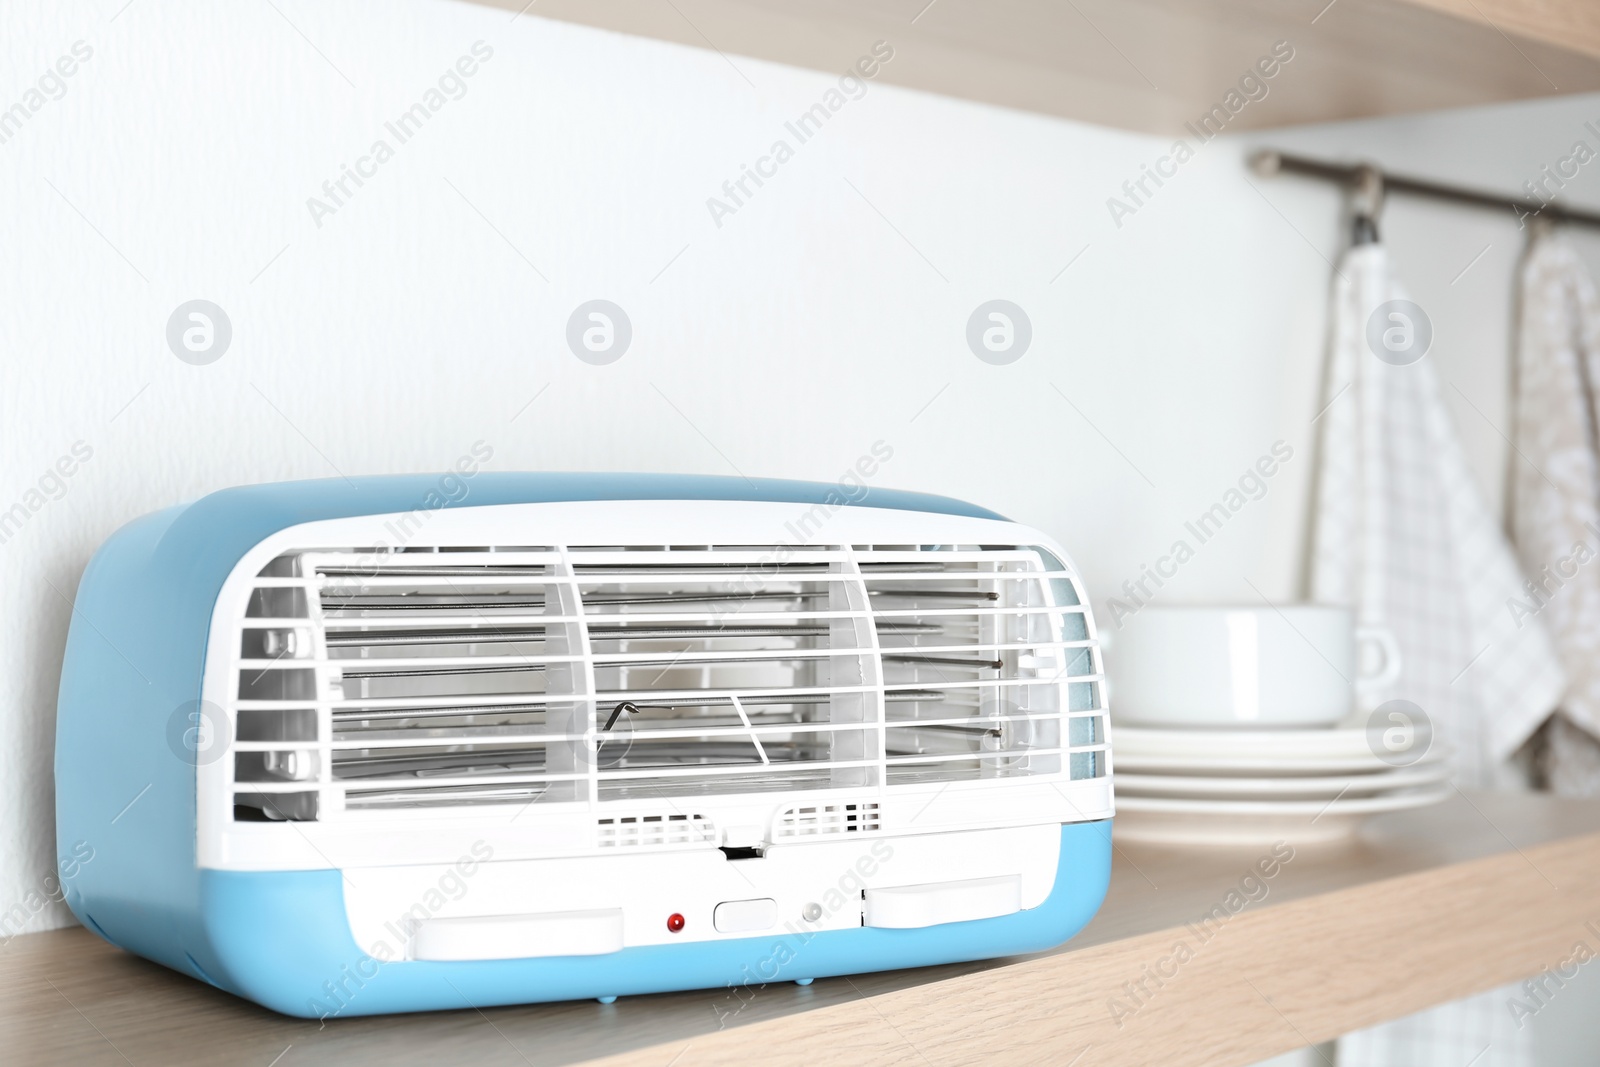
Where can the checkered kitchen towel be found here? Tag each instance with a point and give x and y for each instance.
(1555, 494)
(1403, 535)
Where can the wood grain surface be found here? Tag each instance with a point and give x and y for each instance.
(1148, 65)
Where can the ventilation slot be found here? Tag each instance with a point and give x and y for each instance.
(635, 831)
(817, 820)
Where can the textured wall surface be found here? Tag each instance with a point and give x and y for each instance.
(427, 308)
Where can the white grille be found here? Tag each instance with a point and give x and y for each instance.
(817, 820)
(453, 677)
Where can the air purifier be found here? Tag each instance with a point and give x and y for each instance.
(404, 743)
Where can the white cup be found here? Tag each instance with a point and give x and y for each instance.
(1297, 665)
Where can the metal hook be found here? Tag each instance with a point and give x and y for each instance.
(1366, 201)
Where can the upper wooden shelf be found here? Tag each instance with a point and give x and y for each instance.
(1426, 906)
(1153, 65)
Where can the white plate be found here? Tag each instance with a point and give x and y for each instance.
(1302, 787)
(1208, 745)
(1251, 767)
(1166, 820)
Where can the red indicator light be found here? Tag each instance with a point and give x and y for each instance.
(674, 922)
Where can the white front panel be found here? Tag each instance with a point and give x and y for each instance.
(814, 886)
(648, 678)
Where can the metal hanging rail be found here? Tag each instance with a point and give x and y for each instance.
(1269, 162)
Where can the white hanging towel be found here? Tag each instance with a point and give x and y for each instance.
(1403, 535)
(1555, 494)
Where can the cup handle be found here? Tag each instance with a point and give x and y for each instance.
(1389, 654)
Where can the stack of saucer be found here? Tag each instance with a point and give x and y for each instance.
(1252, 786)
(1228, 727)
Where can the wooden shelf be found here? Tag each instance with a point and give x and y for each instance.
(1151, 65)
(1427, 906)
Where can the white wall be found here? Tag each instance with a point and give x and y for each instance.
(407, 327)
(824, 315)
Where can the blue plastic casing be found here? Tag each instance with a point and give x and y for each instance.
(125, 804)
